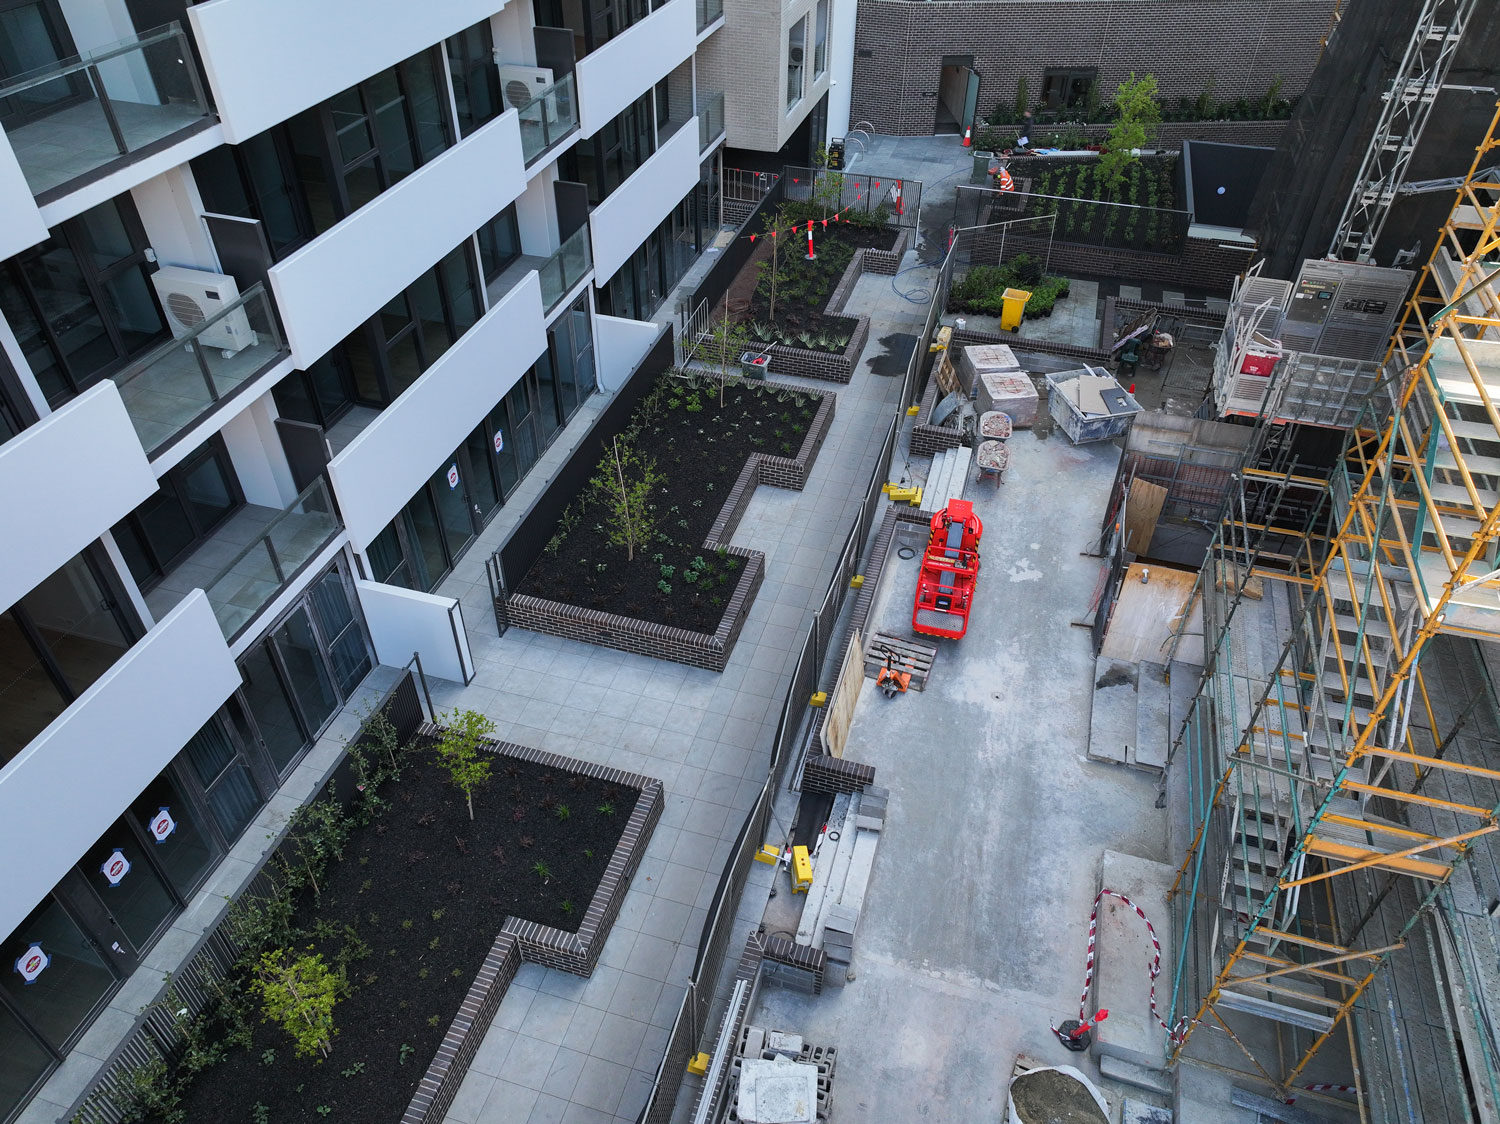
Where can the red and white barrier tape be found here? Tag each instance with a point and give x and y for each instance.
(1174, 1034)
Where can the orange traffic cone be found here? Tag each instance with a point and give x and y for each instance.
(967, 142)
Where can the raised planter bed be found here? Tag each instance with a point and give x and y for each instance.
(403, 901)
(641, 621)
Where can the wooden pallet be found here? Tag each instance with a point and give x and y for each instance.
(915, 656)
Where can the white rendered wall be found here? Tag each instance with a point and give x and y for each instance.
(257, 455)
(841, 66)
(66, 480)
(266, 60)
(403, 621)
(614, 75)
(171, 210)
(76, 777)
(337, 281)
(620, 224)
(619, 344)
(23, 226)
(381, 469)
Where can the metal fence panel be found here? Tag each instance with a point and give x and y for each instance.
(1090, 222)
(901, 198)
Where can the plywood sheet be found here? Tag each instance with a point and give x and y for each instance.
(845, 696)
(1142, 509)
(1146, 613)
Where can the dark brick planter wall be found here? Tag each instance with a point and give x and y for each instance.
(527, 941)
(1047, 347)
(823, 773)
(709, 650)
(927, 440)
(1240, 44)
(1204, 264)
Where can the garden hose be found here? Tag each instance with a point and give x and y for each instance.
(918, 295)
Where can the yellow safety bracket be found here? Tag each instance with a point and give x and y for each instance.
(770, 853)
(801, 870)
(899, 494)
(857, 581)
(913, 411)
(820, 698)
(698, 1063)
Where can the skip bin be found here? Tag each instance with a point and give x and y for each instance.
(1089, 405)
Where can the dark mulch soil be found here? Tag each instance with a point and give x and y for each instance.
(424, 890)
(802, 296)
(701, 453)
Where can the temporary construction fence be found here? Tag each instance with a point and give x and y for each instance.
(742, 191)
(1125, 226)
(865, 194)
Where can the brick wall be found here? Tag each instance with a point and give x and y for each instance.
(1203, 264)
(823, 773)
(1239, 44)
(709, 650)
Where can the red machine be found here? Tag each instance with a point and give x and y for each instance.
(950, 569)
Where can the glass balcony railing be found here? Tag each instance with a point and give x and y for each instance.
(708, 11)
(569, 265)
(272, 559)
(73, 120)
(171, 387)
(547, 118)
(710, 120)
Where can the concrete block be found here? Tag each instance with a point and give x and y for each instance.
(1153, 705)
(869, 823)
(843, 919)
(1112, 719)
(1122, 982)
(780, 1042)
(778, 1092)
(1128, 1073)
(1138, 1112)
(836, 975)
(754, 1041)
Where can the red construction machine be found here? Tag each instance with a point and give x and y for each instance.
(950, 569)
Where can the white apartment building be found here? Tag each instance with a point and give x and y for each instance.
(292, 297)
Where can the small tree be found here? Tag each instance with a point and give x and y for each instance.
(725, 342)
(458, 751)
(300, 996)
(623, 484)
(1139, 112)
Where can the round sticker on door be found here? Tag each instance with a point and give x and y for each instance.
(32, 963)
(453, 476)
(116, 867)
(162, 825)
(499, 440)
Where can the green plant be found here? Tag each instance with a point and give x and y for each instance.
(406, 924)
(354, 1070)
(588, 852)
(299, 995)
(606, 809)
(665, 587)
(260, 1114)
(433, 1020)
(434, 942)
(566, 906)
(437, 914)
(267, 1057)
(407, 1050)
(561, 812)
(541, 870)
(458, 751)
(323, 1110)
(622, 485)
(668, 571)
(153, 1095)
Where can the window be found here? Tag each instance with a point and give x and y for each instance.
(476, 80)
(376, 362)
(301, 177)
(1067, 89)
(820, 40)
(659, 263)
(81, 303)
(796, 41)
(54, 643)
(593, 22)
(190, 502)
(499, 244)
(604, 161)
(33, 35)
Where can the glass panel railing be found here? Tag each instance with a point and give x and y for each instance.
(171, 387)
(70, 120)
(708, 11)
(547, 118)
(268, 562)
(564, 269)
(710, 119)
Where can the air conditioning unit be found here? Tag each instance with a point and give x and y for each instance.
(191, 296)
(520, 83)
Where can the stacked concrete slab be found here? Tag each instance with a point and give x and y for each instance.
(1131, 1044)
(946, 478)
(841, 875)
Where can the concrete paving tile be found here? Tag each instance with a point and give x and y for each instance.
(618, 704)
(604, 728)
(618, 1040)
(712, 725)
(493, 1050)
(528, 1061)
(567, 1064)
(581, 1030)
(555, 689)
(572, 721)
(650, 956)
(693, 850)
(669, 920)
(602, 984)
(548, 1110)
(720, 788)
(739, 732)
(599, 1087)
(680, 882)
(472, 1093)
(674, 744)
(616, 952)
(635, 998)
(599, 673)
(669, 1002)
(750, 707)
(682, 718)
(507, 1103)
(638, 735)
(548, 1018)
(653, 1046)
(582, 1114)
(514, 1006)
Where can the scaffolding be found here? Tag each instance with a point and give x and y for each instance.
(1341, 761)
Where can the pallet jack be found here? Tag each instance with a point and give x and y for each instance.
(891, 680)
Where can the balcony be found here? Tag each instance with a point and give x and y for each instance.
(277, 546)
(169, 389)
(88, 115)
(615, 73)
(709, 11)
(561, 272)
(710, 120)
(547, 118)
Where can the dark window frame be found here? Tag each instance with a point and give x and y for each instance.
(79, 90)
(611, 156)
(474, 76)
(70, 236)
(1067, 87)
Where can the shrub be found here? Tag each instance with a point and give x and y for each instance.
(458, 751)
(300, 996)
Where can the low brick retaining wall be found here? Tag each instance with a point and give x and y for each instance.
(709, 650)
(526, 941)
(839, 366)
(928, 440)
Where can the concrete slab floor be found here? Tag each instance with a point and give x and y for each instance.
(974, 929)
